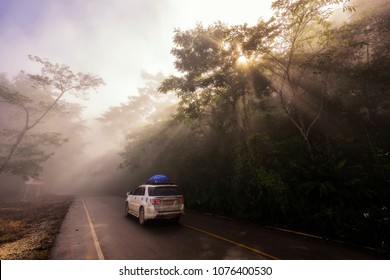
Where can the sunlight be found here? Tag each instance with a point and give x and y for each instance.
(242, 59)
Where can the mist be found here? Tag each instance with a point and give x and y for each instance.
(89, 160)
(295, 135)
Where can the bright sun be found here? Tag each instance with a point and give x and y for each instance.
(242, 59)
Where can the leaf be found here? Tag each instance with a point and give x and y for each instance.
(341, 164)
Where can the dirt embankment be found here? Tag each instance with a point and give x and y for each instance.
(28, 228)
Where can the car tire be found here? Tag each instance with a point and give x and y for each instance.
(141, 216)
(127, 214)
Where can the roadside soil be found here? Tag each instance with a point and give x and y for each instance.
(28, 228)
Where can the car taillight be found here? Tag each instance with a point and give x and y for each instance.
(155, 201)
(181, 199)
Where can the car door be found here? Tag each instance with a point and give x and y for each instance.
(138, 198)
(132, 200)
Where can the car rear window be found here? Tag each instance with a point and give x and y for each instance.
(163, 191)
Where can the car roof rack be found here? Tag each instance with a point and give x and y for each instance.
(159, 183)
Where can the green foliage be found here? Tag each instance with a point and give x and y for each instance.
(213, 85)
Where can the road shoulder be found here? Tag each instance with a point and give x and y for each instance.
(75, 240)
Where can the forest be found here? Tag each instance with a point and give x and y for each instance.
(284, 123)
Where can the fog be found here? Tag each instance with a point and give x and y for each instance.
(296, 134)
(88, 160)
(122, 43)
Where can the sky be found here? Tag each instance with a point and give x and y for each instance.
(116, 39)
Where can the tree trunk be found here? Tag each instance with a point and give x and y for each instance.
(13, 149)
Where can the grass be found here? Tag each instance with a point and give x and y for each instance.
(28, 228)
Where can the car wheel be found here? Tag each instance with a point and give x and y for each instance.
(127, 209)
(141, 216)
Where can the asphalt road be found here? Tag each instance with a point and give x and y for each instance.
(96, 228)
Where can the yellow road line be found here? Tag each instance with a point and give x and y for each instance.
(296, 232)
(232, 242)
(95, 240)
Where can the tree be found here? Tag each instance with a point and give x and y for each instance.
(213, 84)
(55, 79)
(366, 75)
(297, 56)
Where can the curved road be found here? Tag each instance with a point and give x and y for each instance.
(96, 228)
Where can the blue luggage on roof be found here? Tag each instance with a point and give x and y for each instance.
(158, 179)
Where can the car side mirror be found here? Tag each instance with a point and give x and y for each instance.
(129, 193)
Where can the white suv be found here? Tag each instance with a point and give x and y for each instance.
(155, 201)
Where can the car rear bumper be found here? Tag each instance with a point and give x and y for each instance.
(170, 215)
(151, 214)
